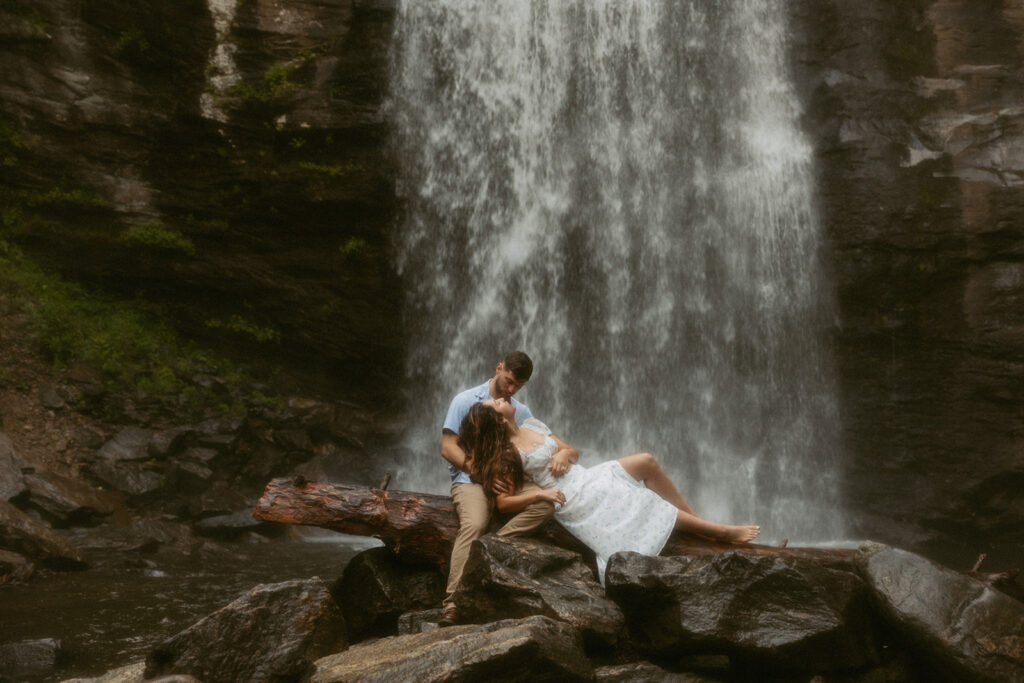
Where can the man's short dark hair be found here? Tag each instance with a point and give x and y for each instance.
(519, 364)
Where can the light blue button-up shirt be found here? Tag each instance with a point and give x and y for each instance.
(458, 410)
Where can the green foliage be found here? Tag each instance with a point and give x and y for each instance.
(23, 10)
(333, 170)
(67, 199)
(131, 44)
(353, 246)
(11, 144)
(274, 87)
(134, 351)
(236, 323)
(154, 234)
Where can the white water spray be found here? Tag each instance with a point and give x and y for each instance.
(619, 188)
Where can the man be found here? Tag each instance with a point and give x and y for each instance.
(470, 500)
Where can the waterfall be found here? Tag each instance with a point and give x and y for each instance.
(620, 189)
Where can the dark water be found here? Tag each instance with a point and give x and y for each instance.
(111, 616)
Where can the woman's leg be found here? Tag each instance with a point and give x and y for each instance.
(730, 533)
(643, 467)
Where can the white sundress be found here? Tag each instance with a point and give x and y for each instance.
(604, 506)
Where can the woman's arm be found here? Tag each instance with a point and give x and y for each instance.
(520, 501)
(562, 458)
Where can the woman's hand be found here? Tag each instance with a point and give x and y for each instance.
(552, 496)
(561, 462)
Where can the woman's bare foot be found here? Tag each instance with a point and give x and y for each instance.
(740, 534)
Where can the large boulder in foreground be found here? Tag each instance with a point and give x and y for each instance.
(965, 629)
(533, 649)
(273, 632)
(520, 577)
(772, 612)
(376, 588)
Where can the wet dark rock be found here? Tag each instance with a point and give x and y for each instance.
(133, 478)
(140, 535)
(199, 454)
(217, 500)
(36, 541)
(519, 577)
(963, 629)
(166, 442)
(786, 614)
(189, 477)
(65, 501)
(646, 672)
(294, 440)
(273, 632)
(14, 567)
(12, 470)
(134, 673)
(231, 526)
(419, 622)
(532, 649)
(376, 588)
(31, 657)
(131, 444)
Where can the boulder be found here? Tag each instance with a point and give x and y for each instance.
(12, 470)
(131, 443)
(231, 526)
(519, 577)
(24, 535)
(532, 649)
(419, 622)
(273, 632)
(68, 502)
(646, 672)
(133, 478)
(772, 612)
(965, 629)
(376, 588)
(166, 442)
(31, 657)
(14, 567)
(134, 673)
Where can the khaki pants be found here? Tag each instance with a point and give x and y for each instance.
(474, 511)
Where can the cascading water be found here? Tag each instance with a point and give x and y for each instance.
(618, 188)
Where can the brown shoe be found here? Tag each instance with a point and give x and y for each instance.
(449, 617)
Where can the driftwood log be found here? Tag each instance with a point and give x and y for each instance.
(421, 527)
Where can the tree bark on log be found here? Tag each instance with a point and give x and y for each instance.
(420, 528)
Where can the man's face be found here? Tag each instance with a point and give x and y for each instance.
(505, 383)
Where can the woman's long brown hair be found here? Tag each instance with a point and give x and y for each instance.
(492, 457)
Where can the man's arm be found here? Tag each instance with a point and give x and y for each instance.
(451, 451)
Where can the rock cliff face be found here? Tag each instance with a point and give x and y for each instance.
(228, 160)
(918, 113)
(225, 159)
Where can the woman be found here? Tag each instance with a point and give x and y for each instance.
(624, 504)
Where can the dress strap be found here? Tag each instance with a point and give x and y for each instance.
(537, 426)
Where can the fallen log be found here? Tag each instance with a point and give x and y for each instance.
(421, 527)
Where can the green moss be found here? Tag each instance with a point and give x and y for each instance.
(236, 323)
(131, 44)
(133, 349)
(61, 198)
(153, 234)
(333, 170)
(353, 246)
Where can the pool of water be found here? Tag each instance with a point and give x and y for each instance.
(113, 614)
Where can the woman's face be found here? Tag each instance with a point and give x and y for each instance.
(503, 407)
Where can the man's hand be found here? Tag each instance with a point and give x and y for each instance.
(552, 496)
(560, 463)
